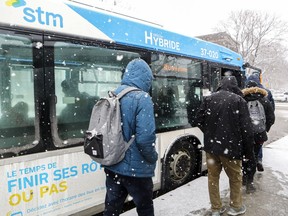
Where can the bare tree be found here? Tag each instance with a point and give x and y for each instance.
(252, 31)
(260, 39)
(273, 62)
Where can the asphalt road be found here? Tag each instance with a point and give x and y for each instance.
(280, 128)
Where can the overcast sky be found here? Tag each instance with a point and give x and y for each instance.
(195, 17)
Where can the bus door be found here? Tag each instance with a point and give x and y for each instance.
(215, 78)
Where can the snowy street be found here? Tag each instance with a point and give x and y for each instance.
(271, 197)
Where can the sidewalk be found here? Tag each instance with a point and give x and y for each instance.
(270, 199)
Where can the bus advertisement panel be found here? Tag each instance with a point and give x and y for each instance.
(51, 184)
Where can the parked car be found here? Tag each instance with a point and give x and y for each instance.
(280, 96)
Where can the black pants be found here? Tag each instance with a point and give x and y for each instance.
(119, 186)
(249, 167)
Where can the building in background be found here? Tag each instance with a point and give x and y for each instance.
(221, 38)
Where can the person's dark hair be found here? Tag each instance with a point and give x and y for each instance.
(65, 84)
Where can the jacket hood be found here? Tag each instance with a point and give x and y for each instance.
(138, 74)
(229, 83)
(254, 90)
(256, 79)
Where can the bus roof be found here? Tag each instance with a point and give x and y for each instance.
(81, 20)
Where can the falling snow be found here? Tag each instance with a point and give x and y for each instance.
(192, 199)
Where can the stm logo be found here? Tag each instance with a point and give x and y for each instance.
(16, 3)
(37, 15)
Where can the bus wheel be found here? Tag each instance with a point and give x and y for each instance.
(180, 165)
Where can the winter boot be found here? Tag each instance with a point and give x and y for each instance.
(250, 188)
(260, 167)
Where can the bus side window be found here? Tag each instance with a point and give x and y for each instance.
(17, 116)
(167, 101)
(83, 73)
(17, 105)
(78, 104)
(192, 100)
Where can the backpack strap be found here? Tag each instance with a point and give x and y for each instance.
(120, 95)
(130, 141)
(126, 90)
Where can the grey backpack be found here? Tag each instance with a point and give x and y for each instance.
(257, 115)
(104, 140)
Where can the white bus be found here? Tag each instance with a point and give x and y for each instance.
(56, 59)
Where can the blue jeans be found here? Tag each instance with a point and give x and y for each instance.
(260, 155)
(119, 186)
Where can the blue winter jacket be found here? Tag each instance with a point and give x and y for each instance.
(138, 119)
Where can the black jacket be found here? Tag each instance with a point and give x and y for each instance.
(260, 94)
(224, 119)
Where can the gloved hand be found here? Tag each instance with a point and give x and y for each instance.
(249, 155)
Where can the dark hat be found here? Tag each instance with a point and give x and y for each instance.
(251, 83)
(256, 73)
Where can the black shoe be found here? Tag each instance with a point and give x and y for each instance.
(250, 188)
(244, 181)
(260, 167)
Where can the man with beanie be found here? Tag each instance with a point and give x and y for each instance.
(253, 93)
(133, 175)
(224, 119)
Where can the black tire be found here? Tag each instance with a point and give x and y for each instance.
(180, 165)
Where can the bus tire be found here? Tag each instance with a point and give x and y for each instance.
(180, 165)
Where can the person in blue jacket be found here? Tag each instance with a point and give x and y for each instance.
(255, 76)
(133, 175)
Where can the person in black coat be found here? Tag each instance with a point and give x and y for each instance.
(251, 93)
(228, 135)
(255, 76)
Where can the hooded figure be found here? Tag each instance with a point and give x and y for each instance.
(224, 119)
(256, 78)
(133, 175)
(252, 93)
(138, 119)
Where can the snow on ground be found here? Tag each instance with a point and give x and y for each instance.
(193, 198)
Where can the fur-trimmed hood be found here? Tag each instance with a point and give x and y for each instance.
(254, 90)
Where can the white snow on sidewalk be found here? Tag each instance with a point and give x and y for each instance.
(194, 196)
(190, 197)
